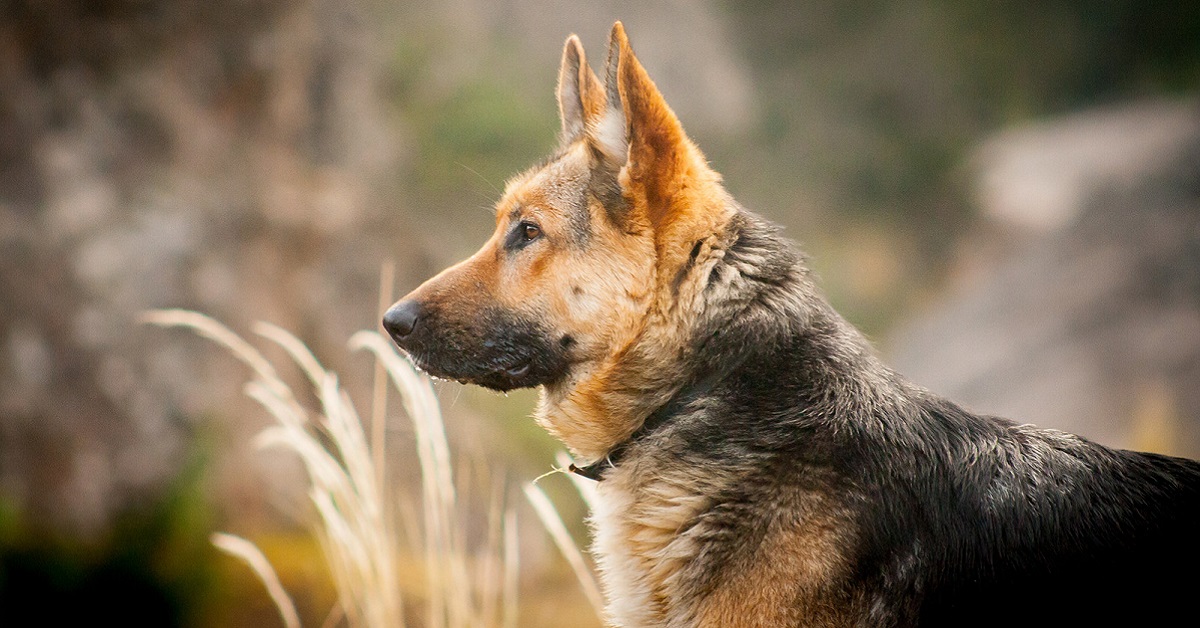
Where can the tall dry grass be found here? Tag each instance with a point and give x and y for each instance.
(357, 527)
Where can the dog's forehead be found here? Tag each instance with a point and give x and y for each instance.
(559, 183)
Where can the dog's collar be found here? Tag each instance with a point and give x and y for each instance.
(653, 422)
(658, 418)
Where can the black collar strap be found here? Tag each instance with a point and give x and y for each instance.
(614, 455)
(658, 418)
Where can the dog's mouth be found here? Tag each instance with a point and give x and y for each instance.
(520, 369)
(518, 374)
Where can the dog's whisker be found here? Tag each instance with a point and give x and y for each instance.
(475, 172)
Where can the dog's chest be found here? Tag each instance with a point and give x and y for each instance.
(644, 543)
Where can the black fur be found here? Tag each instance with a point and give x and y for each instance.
(784, 416)
(951, 518)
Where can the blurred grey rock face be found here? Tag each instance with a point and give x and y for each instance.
(1088, 318)
(213, 155)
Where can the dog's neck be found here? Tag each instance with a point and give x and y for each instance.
(661, 416)
(605, 405)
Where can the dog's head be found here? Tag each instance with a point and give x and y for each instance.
(590, 247)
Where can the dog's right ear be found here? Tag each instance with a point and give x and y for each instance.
(580, 94)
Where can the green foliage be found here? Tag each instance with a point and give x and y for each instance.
(484, 126)
(491, 121)
(154, 568)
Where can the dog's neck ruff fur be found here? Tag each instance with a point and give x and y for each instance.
(595, 471)
(660, 417)
(754, 305)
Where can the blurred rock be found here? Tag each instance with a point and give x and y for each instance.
(224, 156)
(1041, 176)
(1088, 320)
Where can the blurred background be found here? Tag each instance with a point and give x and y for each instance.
(1004, 196)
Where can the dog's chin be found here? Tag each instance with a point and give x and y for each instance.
(500, 376)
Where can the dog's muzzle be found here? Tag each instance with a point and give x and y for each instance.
(489, 346)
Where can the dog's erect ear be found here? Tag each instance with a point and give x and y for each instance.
(580, 94)
(639, 124)
(609, 135)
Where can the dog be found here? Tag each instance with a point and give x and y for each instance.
(756, 464)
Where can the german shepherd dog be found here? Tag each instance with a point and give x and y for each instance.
(756, 464)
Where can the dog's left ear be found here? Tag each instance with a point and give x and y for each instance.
(580, 94)
(640, 132)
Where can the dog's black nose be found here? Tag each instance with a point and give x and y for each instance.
(401, 318)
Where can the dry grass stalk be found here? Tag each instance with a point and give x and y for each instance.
(248, 552)
(353, 531)
(586, 487)
(512, 568)
(570, 550)
(355, 527)
(449, 600)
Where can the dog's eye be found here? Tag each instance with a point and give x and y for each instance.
(522, 234)
(530, 231)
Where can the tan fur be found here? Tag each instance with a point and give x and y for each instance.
(625, 282)
(638, 543)
(580, 93)
(675, 199)
(786, 582)
(601, 296)
(644, 554)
